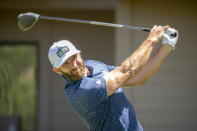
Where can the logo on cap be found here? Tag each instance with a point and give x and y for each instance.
(62, 50)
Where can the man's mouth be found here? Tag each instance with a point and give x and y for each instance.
(76, 70)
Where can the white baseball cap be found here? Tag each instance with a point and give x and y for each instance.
(60, 51)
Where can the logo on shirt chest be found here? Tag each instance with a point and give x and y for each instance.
(98, 82)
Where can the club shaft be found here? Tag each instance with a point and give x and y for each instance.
(95, 23)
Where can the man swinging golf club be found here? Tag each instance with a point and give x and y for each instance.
(93, 89)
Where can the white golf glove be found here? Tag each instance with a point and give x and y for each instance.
(170, 37)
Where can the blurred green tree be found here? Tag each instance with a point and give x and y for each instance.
(18, 87)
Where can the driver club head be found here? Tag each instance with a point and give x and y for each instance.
(27, 20)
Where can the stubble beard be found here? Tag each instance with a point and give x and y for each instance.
(76, 75)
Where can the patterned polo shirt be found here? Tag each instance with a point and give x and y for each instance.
(88, 98)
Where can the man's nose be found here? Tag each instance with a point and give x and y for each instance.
(75, 62)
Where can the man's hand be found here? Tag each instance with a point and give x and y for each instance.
(170, 37)
(156, 33)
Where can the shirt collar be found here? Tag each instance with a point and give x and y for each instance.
(90, 69)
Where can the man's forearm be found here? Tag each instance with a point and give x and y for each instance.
(139, 58)
(129, 67)
(151, 67)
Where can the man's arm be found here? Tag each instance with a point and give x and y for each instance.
(151, 67)
(133, 64)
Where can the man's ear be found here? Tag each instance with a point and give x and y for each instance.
(57, 71)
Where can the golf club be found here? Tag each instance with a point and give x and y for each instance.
(27, 20)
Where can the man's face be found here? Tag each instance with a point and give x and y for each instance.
(73, 68)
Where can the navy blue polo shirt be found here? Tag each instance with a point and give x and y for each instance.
(88, 98)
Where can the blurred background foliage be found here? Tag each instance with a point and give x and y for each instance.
(18, 83)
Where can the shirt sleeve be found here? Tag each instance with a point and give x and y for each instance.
(92, 90)
(110, 68)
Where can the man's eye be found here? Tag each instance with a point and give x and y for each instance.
(74, 57)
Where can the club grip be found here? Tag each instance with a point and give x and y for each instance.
(174, 34)
(146, 29)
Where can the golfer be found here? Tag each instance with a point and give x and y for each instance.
(93, 89)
